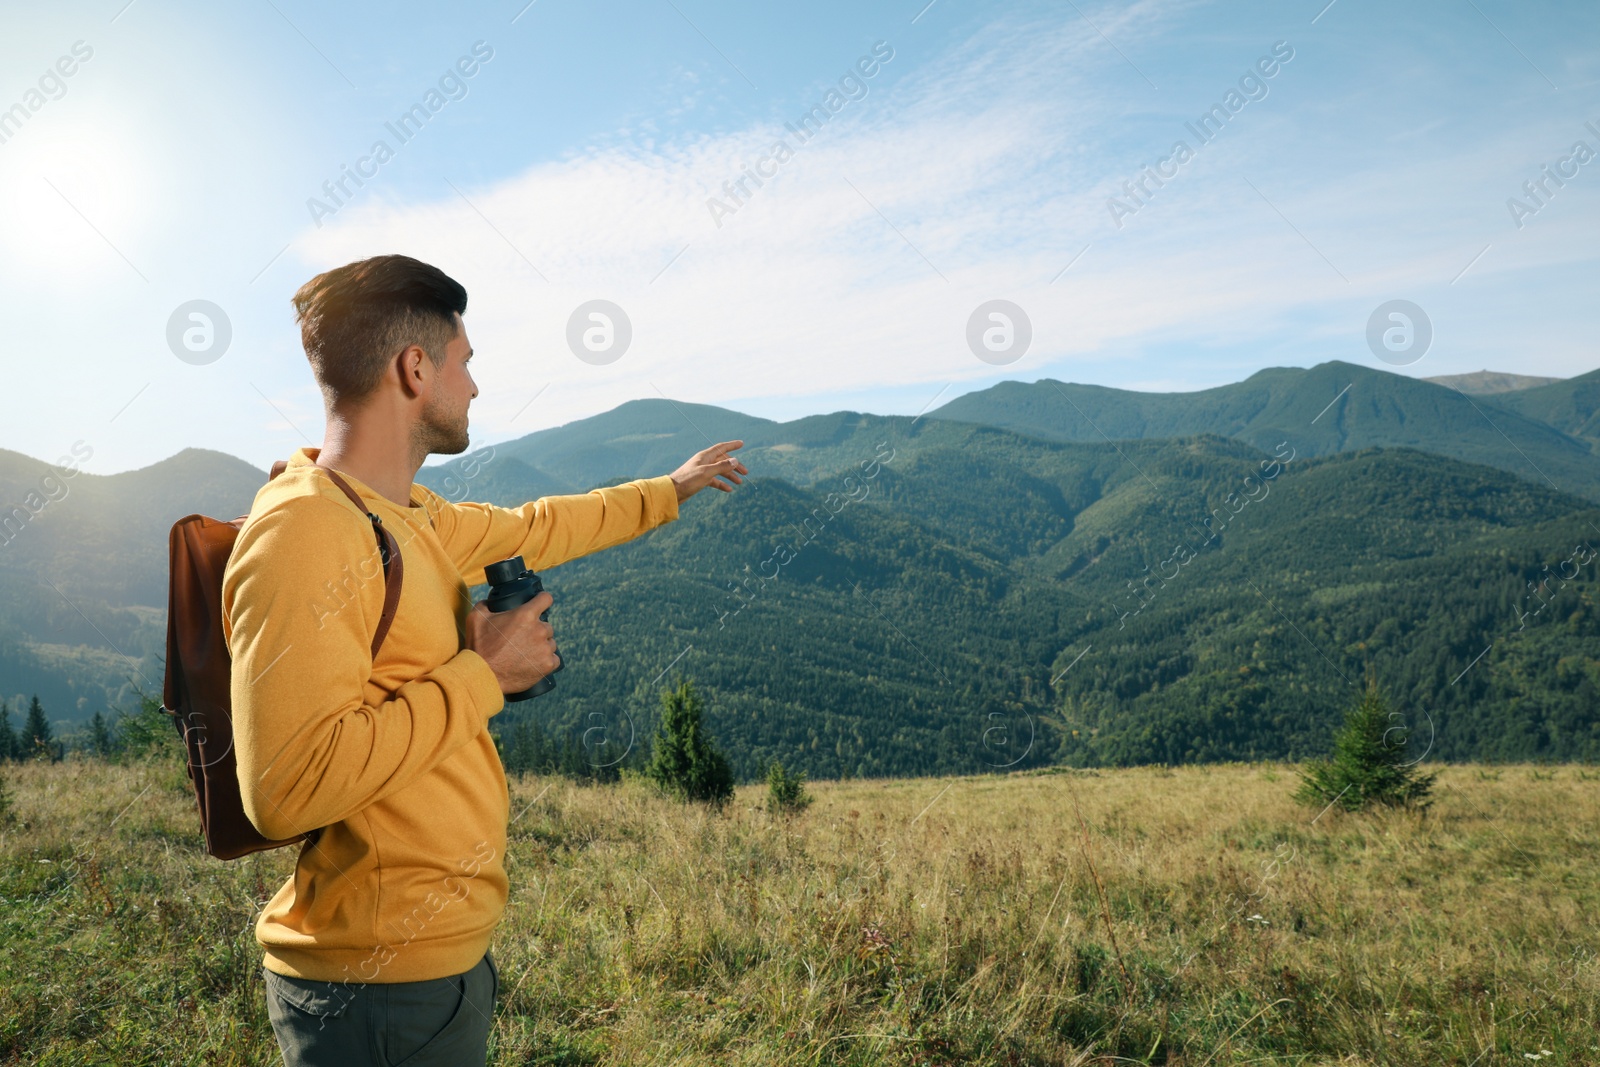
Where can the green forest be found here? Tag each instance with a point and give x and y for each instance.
(1168, 604)
(889, 595)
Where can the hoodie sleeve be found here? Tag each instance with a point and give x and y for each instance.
(552, 529)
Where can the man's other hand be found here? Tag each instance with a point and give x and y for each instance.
(708, 467)
(518, 646)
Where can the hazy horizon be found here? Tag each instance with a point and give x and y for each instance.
(439, 460)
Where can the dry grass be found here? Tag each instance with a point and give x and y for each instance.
(948, 921)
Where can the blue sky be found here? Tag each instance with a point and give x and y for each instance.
(578, 161)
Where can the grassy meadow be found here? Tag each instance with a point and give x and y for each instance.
(1191, 916)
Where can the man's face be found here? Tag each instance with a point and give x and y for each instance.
(443, 429)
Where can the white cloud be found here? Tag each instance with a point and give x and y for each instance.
(979, 175)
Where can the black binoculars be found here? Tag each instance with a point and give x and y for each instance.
(512, 584)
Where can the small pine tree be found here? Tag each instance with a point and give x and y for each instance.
(8, 737)
(527, 752)
(683, 761)
(786, 793)
(37, 738)
(99, 736)
(147, 733)
(5, 801)
(1368, 765)
(574, 762)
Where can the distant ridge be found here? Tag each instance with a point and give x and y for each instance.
(1486, 382)
(1571, 405)
(1330, 408)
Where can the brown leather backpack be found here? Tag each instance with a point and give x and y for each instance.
(197, 691)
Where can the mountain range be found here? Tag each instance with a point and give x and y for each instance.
(1484, 382)
(1032, 573)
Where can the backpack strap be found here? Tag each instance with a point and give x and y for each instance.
(388, 551)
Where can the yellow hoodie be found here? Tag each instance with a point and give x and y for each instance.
(392, 759)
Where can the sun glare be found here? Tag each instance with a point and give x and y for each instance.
(73, 197)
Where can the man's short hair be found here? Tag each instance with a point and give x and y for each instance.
(354, 319)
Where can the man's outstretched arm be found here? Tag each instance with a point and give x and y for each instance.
(554, 529)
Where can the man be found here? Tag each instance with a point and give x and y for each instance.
(377, 947)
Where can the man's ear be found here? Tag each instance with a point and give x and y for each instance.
(416, 370)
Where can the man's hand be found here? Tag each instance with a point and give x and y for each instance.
(518, 646)
(705, 467)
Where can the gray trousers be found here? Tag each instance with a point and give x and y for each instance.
(443, 1022)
